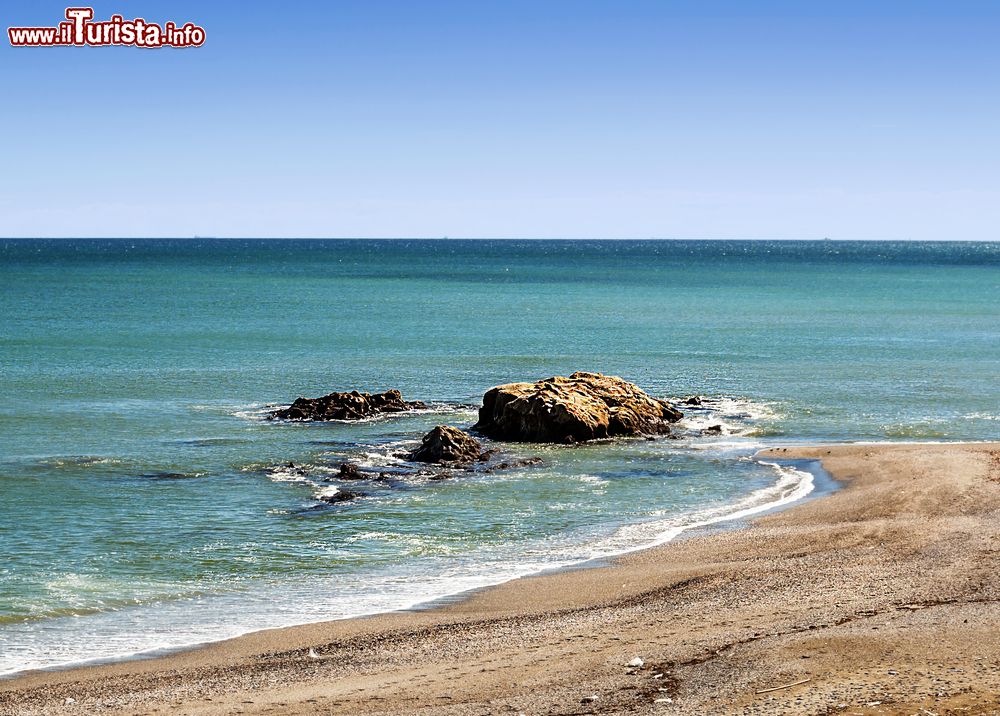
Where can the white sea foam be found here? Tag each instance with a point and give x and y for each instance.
(728, 445)
(171, 625)
(287, 475)
(328, 491)
(734, 407)
(440, 571)
(324, 469)
(792, 484)
(75, 461)
(383, 457)
(256, 412)
(367, 536)
(981, 416)
(303, 475)
(734, 416)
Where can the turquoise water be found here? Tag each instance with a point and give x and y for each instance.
(143, 505)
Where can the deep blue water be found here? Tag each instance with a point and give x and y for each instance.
(137, 477)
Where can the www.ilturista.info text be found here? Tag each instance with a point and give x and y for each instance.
(80, 30)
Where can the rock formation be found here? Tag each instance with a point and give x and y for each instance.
(445, 444)
(340, 496)
(349, 471)
(584, 406)
(507, 465)
(345, 406)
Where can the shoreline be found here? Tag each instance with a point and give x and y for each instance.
(727, 587)
(731, 516)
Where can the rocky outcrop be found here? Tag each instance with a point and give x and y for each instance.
(340, 496)
(345, 406)
(507, 465)
(349, 471)
(584, 406)
(447, 445)
(289, 469)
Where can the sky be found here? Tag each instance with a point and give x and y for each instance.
(547, 119)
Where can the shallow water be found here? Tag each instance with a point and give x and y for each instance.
(138, 479)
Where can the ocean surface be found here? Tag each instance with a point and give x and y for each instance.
(145, 504)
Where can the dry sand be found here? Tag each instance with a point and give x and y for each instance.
(882, 598)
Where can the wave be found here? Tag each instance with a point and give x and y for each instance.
(793, 484)
(75, 461)
(723, 416)
(185, 623)
(171, 475)
(915, 431)
(256, 412)
(423, 569)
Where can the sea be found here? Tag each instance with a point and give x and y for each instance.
(147, 504)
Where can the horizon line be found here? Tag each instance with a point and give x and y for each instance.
(474, 238)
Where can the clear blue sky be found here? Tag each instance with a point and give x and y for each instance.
(546, 118)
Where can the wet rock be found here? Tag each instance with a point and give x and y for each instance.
(340, 496)
(289, 468)
(349, 471)
(445, 444)
(693, 400)
(438, 476)
(584, 406)
(712, 430)
(345, 406)
(169, 475)
(510, 464)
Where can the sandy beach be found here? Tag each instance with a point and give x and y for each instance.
(881, 598)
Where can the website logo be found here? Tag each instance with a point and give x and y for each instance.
(80, 30)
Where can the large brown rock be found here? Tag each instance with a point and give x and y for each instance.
(345, 406)
(584, 406)
(445, 444)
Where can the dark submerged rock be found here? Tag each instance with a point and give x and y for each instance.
(345, 406)
(445, 444)
(510, 464)
(584, 406)
(712, 430)
(438, 476)
(340, 496)
(349, 471)
(289, 468)
(693, 400)
(169, 475)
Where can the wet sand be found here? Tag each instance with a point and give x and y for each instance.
(881, 598)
